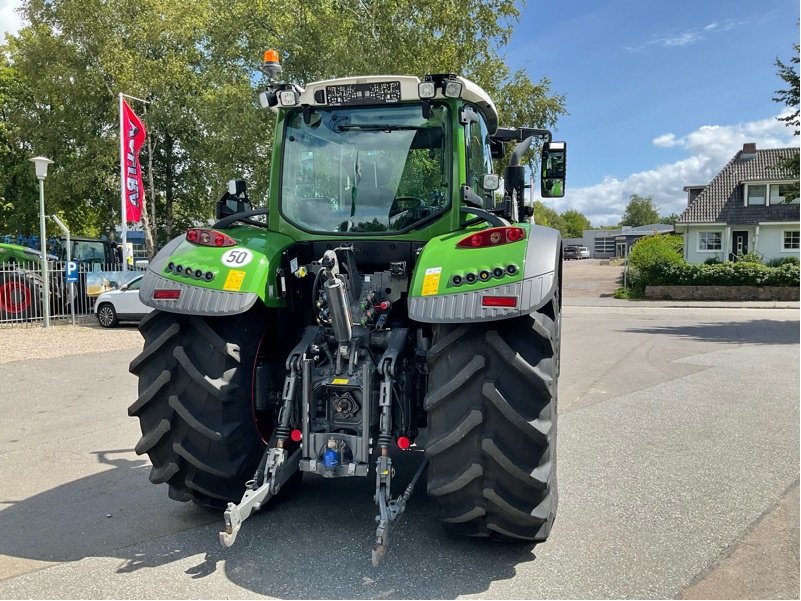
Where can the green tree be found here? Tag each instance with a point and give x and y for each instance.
(789, 97)
(548, 217)
(641, 210)
(669, 219)
(574, 224)
(198, 63)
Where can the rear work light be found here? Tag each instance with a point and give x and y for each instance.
(206, 237)
(499, 301)
(171, 294)
(494, 236)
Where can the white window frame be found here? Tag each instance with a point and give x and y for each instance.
(709, 250)
(754, 185)
(794, 202)
(767, 184)
(790, 250)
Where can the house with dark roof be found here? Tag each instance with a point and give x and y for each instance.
(752, 205)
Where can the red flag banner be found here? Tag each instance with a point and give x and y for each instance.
(133, 132)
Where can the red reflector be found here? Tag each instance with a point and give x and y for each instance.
(499, 301)
(174, 294)
(207, 237)
(403, 443)
(296, 435)
(494, 236)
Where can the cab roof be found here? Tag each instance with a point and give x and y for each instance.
(316, 93)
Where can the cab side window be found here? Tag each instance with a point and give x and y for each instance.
(479, 159)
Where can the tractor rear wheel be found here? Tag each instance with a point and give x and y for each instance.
(18, 297)
(492, 426)
(195, 404)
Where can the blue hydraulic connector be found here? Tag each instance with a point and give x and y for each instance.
(330, 458)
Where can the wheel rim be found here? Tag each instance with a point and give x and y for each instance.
(106, 316)
(15, 297)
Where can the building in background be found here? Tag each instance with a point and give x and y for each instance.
(752, 205)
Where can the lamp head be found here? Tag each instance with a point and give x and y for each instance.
(41, 164)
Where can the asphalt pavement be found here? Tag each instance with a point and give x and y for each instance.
(678, 439)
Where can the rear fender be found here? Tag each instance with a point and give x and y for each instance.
(437, 296)
(216, 281)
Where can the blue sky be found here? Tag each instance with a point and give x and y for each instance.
(660, 94)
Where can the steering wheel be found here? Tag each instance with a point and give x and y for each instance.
(406, 203)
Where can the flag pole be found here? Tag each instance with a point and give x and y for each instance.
(123, 216)
(123, 207)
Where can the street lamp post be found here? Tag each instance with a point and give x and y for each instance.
(41, 164)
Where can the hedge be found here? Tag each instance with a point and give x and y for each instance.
(657, 261)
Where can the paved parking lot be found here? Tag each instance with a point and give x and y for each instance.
(678, 450)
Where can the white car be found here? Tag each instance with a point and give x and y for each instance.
(115, 306)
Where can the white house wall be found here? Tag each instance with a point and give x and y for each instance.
(771, 240)
(691, 252)
(766, 239)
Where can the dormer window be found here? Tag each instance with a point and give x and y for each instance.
(755, 194)
(761, 194)
(779, 193)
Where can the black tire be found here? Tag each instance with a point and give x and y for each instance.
(195, 403)
(492, 426)
(107, 315)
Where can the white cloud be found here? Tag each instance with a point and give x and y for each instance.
(666, 141)
(710, 147)
(10, 19)
(680, 39)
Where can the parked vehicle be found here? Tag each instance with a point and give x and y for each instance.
(571, 252)
(115, 306)
(584, 252)
(21, 282)
(381, 292)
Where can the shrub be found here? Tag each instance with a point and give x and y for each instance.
(723, 274)
(783, 261)
(751, 257)
(713, 260)
(649, 256)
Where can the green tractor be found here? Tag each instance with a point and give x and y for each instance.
(382, 301)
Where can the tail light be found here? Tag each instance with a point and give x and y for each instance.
(499, 301)
(207, 237)
(169, 294)
(494, 236)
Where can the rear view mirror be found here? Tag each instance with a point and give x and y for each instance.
(234, 201)
(552, 181)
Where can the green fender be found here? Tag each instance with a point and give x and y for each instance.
(216, 280)
(510, 279)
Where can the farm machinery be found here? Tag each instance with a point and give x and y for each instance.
(388, 298)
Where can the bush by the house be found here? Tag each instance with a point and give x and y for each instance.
(783, 261)
(657, 261)
(650, 255)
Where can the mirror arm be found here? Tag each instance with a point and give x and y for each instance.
(481, 215)
(243, 217)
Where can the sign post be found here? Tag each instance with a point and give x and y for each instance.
(70, 267)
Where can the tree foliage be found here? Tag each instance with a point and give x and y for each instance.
(789, 97)
(197, 63)
(574, 224)
(641, 210)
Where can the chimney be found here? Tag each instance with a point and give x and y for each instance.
(749, 150)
